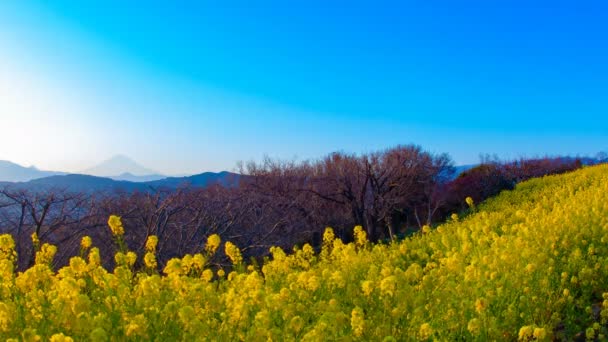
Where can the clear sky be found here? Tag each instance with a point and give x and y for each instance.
(191, 86)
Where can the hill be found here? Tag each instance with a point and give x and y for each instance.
(530, 264)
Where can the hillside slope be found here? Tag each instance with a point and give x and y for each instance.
(529, 264)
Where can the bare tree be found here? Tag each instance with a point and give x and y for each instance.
(54, 215)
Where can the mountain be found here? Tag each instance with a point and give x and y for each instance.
(94, 184)
(11, 172)
(118, 173)
(121, 167)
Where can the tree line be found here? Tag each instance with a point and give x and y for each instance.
(391, 193)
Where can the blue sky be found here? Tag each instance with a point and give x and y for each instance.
(188, 86)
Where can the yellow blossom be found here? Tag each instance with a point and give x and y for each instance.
(470, 202)
(131, 258)
(207, 275)
(35, 240)
(233, 253)
(540, 334)
(360, 236)
(526, 332)
(213, 242)
(60, 338)
(115, 224)
(151, 243)
(86, 242)
(46, 254)
(150, 260)
(357, 321)
(425, 332)
(388, 285)
(367, 287)
(480, 305)
(328, 235)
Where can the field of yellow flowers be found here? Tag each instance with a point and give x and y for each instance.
(530, 264)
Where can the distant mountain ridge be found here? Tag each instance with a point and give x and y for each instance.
(119, 168)
(12, 172)
(127, 176)
(78, 183)
(119, 173)
(94, 184)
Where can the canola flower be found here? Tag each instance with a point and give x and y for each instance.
(35, 240)
(151, 243)
(233, 253)
(360, 236)
(213, 243)
(529, 265)
(357, 321)
(86, 242)
(116, 225)
(470, 202)
(150, 257)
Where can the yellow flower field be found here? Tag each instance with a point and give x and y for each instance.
(531, 264)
